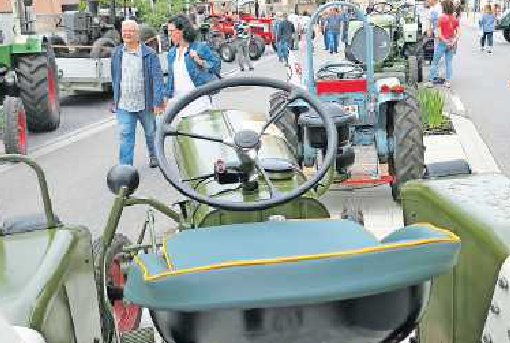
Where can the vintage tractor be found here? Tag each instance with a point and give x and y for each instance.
(381, 114)
(255, 257)
(29, 73)
(397, 40)
(503, 24)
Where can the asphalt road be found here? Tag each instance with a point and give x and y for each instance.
(481, 81)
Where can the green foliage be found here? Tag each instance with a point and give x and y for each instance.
(432, 104)
(82, 5)
(162, 10)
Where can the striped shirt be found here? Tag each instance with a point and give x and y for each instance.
(132, 88)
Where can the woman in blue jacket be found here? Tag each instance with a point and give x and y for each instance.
(487, 26)
(190, 64)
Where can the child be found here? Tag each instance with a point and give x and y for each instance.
(487, 25)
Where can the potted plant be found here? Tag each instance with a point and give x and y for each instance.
(435, 120)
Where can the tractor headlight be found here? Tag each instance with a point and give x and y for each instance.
(10, 78)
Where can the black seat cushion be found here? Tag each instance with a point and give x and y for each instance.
(25, 223)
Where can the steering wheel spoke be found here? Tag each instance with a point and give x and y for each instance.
(171, 131)
(273, 191)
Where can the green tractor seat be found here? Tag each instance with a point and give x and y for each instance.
(310, 281)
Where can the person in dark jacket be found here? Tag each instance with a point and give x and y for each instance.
(138, 91)
(284, 37)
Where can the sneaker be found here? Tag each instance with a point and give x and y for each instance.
(489, 51)
(251, 68)
(153, 162)
(447, 84)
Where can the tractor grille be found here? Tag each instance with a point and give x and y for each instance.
(142, 335)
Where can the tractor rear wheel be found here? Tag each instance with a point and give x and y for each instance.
(227, 52)
(413, 73)
(38, 82)
(506, 34)
(405, 128)
(127, 316)
(15, 126)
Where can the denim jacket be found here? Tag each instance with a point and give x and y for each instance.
(199, 75)
(153, 76)
(488, 22)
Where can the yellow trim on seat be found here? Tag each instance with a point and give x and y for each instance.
(242, 263)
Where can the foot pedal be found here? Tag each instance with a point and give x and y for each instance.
(142, 335)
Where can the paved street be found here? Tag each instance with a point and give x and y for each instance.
(482, 83)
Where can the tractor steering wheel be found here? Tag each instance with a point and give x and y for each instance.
(338, 70)
(246, 143)
(388, 8)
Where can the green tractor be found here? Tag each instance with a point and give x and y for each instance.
(397, 37)
(28, 72)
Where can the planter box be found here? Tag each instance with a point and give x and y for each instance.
(446, 128)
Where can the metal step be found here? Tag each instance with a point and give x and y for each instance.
(142, 335)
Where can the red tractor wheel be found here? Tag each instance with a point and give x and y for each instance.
(15, 126)
(127, 316)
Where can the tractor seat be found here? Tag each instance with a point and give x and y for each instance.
(285, 263)
(310, 118)
(26, 223)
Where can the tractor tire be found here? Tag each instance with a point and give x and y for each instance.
(102, 48)
(15, 126)
(129, 315)
(114, 35)
(38, 82)
(60, 51)
(254, 50)
(149, 36)
(215, 43)
(260, 43)
(407, 160)
(413, 71)
(227, 52)
(506, 34)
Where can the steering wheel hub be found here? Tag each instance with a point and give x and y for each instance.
(247, 139)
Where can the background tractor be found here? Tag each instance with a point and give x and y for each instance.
(397, 39)
(28, 72)
(385, 131)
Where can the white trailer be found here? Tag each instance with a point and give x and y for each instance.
(86, 74)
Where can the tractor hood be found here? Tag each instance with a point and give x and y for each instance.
(197, 157)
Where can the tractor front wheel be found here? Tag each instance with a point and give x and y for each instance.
(15, 126)
(38, 82)
(127, 316)
(227, 52)
(405, 130)
(506, 34)
(413, 72)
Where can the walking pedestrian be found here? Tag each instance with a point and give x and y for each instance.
(324, 31)
(242, 44)
(276, 24)
(448, 33)
(285, 31)
(138, 90)
(487, 25)
(190, 64)
(333, 25)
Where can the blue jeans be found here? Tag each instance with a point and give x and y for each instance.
(283, 47)
(127, 132)
(326, 39)
(333, 40)
(439, 51)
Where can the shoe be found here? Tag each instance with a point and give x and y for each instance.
(447, 84)
(489, 51)
(251, 68)
(153, 162)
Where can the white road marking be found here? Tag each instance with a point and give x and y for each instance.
(458, 104)
(96, 127)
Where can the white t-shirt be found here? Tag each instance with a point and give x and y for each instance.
(183, 85)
